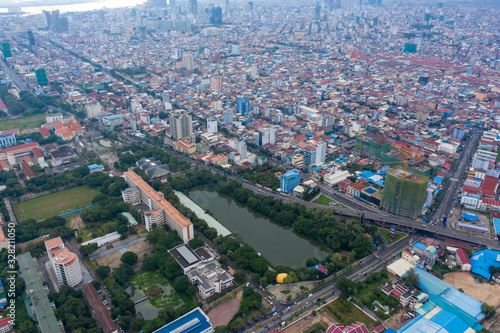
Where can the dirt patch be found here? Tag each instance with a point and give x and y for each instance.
(483, 292)
(76, 222)
(303, 325)
(113, 259)
(294, 289)
(222, 314)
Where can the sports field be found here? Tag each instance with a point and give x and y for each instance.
(55, 203)
(22, 123)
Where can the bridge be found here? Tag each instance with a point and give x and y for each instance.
(374, 215)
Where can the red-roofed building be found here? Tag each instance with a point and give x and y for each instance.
(4, 166)
(27, 170)
(6, 325)
(68, 130)
(44, 132)
(463, 260)
(489, 187)
(24, 148)
(470, 190)
(38, 154)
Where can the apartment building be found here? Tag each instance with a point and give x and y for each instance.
(160, 210)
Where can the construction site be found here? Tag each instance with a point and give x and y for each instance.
(374, 145)
(404, 193)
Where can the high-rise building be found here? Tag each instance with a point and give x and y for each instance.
(241, 148)
(216, 84)
(181, 126)
(289, 180)
(47, 19)
(317, 12)
(216, 17)
(41, 77)
(242, 106)
(93, 110)
(254, 71)
(212, 125)
(7, 53)
(265, 136)
(313, 155)
(188, 62)
(31, 38)
(142, 32)
(404, 195)
(227, 117)
(327, 122)
(193, 7)
(65, 264)
(459, 132)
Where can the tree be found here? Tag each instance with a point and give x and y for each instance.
(88, 249)
(181, 283)
(196, 243)
(154, 291)
(123, 274)
(411, 278)
(103, 272)
(347, 287)
(240, 276)
(129, 258)
(488, 310)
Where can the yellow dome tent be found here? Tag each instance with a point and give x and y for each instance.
(281, 277)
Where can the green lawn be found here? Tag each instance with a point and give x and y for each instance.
(345, 312)
(323, 200)
(55, 204)
(387, 235)
(22, 123)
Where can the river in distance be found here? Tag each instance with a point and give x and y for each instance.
(278, 244)
(78, 7)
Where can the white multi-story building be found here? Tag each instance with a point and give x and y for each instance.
(160, 210)
(212, 125)
(471, 201)
(93, 110)
(65, 264)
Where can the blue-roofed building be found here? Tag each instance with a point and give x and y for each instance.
(482, 260)
(390, 330)
(445, 296)
(7, 140)
(289, 180)
(470, 216)
(195, 321)
(95, 168)
(496, 224)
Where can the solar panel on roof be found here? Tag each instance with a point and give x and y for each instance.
(186, 254)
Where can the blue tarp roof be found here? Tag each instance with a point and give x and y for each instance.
(438, 179)
(496, 223)
(419, 246)
(450, 322)
(482, 260)
(470, 216)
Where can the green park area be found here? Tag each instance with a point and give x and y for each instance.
(323, 200)
(54, 204)
(346, 313)
(387, 235)
(140, 288)
(22, 123)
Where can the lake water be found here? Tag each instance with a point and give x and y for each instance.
(280, 245)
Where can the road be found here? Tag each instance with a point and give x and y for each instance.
(453, 185)
(328, 292)
(20, 84)
(8, 205)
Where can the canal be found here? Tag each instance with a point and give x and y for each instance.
(280, 245)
